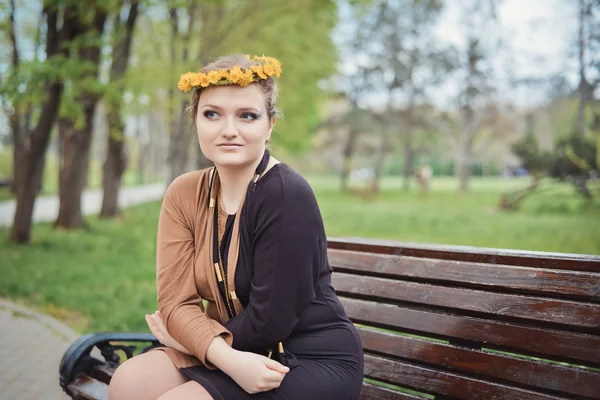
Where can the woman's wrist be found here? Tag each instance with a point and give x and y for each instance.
(220, 354)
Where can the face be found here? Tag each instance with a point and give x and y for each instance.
(233, 125)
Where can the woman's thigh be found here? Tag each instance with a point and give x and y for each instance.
(146, 376)
(191, 390)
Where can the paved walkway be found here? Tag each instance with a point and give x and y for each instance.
(33, 344)
(32, 347)
(46, 208)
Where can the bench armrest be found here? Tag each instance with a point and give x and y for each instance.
(78, 358)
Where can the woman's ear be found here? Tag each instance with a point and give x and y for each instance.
(272, 125)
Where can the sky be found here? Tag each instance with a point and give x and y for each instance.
(536, 38)
(537, 35)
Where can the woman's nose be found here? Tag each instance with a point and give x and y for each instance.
(229, 128)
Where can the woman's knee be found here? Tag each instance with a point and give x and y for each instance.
(146, 376)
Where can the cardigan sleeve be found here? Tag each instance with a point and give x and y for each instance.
(178, 300)
(287, 243)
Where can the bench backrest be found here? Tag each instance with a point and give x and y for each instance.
(471, 323)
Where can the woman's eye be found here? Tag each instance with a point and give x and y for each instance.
(249, 116)
(210, 114)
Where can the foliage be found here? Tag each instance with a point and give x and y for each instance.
(574, 155)
(296, 33)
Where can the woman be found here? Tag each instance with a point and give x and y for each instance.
(247, 237)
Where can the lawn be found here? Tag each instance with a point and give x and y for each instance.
(104, 278)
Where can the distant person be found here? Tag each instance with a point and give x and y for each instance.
(247, 237)
(423, 176)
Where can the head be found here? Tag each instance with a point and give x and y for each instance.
(234, 121)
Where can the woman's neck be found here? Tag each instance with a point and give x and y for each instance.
(234, 182)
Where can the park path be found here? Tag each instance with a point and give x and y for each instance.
(33, 343)
(46, 208)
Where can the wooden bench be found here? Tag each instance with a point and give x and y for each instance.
(442, 322)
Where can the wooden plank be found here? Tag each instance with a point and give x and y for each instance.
(88, 388)
(445, 383)
(563, 380)
(574, 262)
(561, 283)
(575, 348)
(499, 305)
(373, 392)
(103, 373)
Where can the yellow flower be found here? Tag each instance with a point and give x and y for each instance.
(195, 79)
(184, 82)
(213, 77)
(258, 70)
(235, 74)
(269, 69)
(204, 81)
(247, 78)
(272, 66)
(223, 73)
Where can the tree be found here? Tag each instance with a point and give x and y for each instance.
(62, 26)
(403, 64)
(75, 126)
(115, 162)
(479, 14)
(18, 106)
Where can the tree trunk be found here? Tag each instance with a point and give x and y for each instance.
(463, 162)
(380, 161)
(178, 146)
(31, 172)
(408, 157)
(114, 165)
(116, 162)
(75, 143)
(349, 150)
(75, 156)
(582, 89)
(18, 149)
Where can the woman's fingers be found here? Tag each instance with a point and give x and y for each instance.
(275, 366)
(153, 328)
(273, 376)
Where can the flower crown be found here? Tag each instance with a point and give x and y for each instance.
(267, 67)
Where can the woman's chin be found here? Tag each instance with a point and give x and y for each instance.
(230, 160)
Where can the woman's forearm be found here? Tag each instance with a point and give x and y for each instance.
(220, 354)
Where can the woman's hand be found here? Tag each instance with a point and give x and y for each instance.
(255, 373)
(158, 329)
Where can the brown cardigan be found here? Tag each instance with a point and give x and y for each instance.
(184, 269)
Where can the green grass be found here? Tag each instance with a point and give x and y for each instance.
(104, 278)
(553, 220)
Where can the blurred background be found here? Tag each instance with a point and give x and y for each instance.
(465, 122)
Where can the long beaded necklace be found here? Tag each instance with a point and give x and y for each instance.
(221, 268)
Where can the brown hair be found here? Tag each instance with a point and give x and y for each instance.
(268, 86)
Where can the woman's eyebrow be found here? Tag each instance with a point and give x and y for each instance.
(256, 110)
(211, 106)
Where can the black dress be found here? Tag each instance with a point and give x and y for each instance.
(283, 280)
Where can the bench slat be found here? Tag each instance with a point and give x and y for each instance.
(103, 373)
(575, 262)
(373, 392)
(522, 372)
(560, 283)
(541, 310)
(575, 348)
(445, 383)
(88, 388)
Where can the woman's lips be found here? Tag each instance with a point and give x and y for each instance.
(230, 146)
